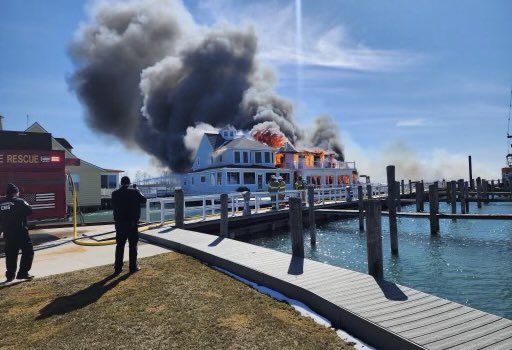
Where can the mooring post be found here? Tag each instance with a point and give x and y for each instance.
(311, 212)
(296, 230)
(179, 208)
(434, 209)
(402, 183)
(224, 215)
(410, 188)
(360, 207)
(422, 196)
(492, 189)
(461, 196)
(471, 182)
(374, 238)
(393, 230)
(466, 196)
(418, 196)
(485, 186)
(369, 193)
(453, 197)
(479, 192)
(398, 198)
(247, 206)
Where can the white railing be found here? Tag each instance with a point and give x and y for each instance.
(200, 207)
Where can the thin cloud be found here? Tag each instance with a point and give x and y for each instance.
(410, 122)
(323, 46)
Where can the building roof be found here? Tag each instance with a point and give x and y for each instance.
(235, 166)
(64, 143)
(245, 143)
(20, 140)
(215, 140)
(287, 148)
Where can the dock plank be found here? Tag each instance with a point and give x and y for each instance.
(383, 314)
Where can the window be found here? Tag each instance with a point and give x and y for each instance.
(220, 158)
(203, 179)
(249, 178)
(267, 157)
(108, 181)
(219, 178)
(192, 179)
(212, 179)
(231, 134)
(184, 181)
(257, 157)
(76, 182)
(233, 178)
(237, 157)
(246, 157)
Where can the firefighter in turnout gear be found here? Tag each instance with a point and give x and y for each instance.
(13, 222)
(299, 184)
(282, 188)
(273, 188)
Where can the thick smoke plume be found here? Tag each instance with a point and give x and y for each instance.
(150, 76)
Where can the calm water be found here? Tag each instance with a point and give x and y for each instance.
(470, 262)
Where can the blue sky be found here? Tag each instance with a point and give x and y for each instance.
(421, 84)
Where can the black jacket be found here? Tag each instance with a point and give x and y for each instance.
(13, 214)
(126, 203)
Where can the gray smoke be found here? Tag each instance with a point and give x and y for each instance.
(325, 135)
(147, 73)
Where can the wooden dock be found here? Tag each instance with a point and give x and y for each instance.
(380, 313)
(352, 212)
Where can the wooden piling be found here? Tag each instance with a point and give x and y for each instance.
(247, 205)
(434, 209)
(311, 214)
(492, 189)
(485, 188)
(360, 207)
(466, 196)
(369, 194)
(296, 230)
(479, 192)
(453, 198)
(393, 230)
(410, 188)
(398, 198)
(461, 196)
(418, 196)
(422, 197)
(374, 238)
(224, 215)
(471, 183)
(402, 183)
(179, 208)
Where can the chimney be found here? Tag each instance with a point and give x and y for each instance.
(1, 123)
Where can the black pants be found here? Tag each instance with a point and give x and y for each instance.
(14, 242)
(126, 231)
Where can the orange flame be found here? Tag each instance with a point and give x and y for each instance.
(271, 139)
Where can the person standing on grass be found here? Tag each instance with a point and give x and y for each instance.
(13, 222)
(126, 203)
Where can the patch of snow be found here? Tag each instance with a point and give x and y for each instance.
(301, 308)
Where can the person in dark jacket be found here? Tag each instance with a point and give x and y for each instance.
(126, 203)
(13, 223)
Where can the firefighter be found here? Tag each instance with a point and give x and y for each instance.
(282, 187)
(273, 187)
(126, 203)
(299, 184)
(13, 223)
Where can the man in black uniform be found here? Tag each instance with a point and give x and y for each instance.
(126, 203)
(13, 223)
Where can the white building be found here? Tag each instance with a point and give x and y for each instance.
(227, 162)
(317, 167)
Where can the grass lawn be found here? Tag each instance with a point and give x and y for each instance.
(174, 302)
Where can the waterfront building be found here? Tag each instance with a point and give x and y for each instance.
(94, 184)
(228, 161)
(317, 167)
